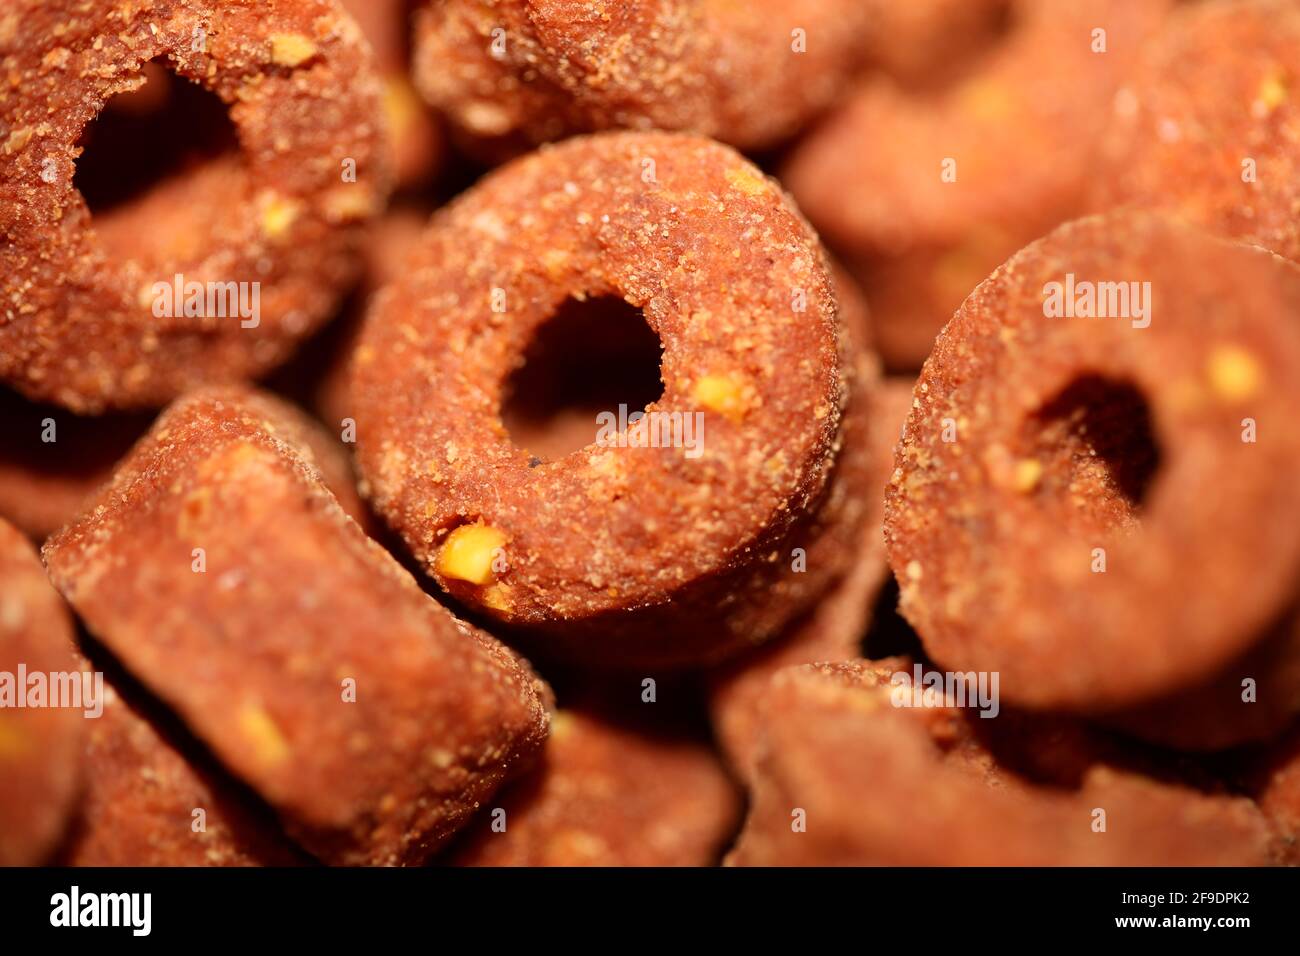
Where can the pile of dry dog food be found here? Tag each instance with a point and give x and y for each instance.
(610, 356)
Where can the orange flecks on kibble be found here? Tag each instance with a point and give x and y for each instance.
(401, 103)
(348, 203)
(1234, 372)
(498, 598)
(17, 140)
(1029, 471)
(988, 99)
(562, 724)
(1272, 92)
(13, 742)
(261, 731)
(195, 512)
(726, 394)
(469, 551)
(747, 180)
(278, 214)
(291, 49)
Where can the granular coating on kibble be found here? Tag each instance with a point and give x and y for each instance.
(85, 318)
(620, 553)
(223, 574)
(1096, 501)
(515, 73)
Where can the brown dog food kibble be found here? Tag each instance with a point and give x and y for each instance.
(1252, 699)
(594, 391)
(417, 139)
(102, 312)
(1277, 788)
(667, 552)
(836, 628)
(1074, 476)
(146, 804)
(221, 572)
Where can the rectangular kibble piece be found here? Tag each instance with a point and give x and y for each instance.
(222, 572)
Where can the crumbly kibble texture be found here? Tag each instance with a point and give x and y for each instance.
(717, 368)
(620, 554)
(40, 746)
(1208, 126)
(924, 193)
(139, 804)
(940, 797)
(608, 795)
(312, 665)
(1073, 503)
(78, 323)
(514, 73)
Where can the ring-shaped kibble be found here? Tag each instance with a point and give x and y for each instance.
(90, 316)
(678, 549)
(512, 73)
(1096, 492)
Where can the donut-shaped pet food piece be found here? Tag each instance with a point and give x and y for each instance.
(669, 542)
(216, 272)
(1098, 482)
